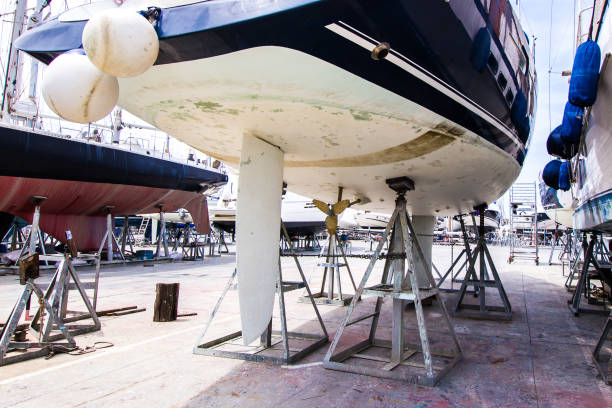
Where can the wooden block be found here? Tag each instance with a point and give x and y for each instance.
(166, 302)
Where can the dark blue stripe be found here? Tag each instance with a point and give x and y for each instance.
(54, 158)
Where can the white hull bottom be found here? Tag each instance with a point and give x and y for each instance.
(371, 220)
(489, 223)
(334, 128)
(564, 217)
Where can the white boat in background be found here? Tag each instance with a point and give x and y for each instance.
(559, 205)
(181, 216)
(593, 167)
(299, 214)
(368, 219)
(492, 219)
(326, 94)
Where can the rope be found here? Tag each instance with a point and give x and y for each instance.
(77, 351)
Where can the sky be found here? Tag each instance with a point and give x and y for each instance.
(552, 24)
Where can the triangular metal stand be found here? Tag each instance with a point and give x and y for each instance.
(162, 239)
(109, 237)
(558, 240)
(466, 253)
(335, 259)
(576, 261)
(594, 256)
(604, 362)
(400, 285)
(57, 295)
(35, 237)
(226, 346)
(126, 237)
(45, 345)
(569, 247)
(480, 282)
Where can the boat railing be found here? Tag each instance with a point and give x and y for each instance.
(136, 138)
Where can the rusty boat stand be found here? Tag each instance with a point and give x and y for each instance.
(399, 283)
(226, 346)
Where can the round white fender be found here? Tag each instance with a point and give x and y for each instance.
(120, 42)
(78, 91)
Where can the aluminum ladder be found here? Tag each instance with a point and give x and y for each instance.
(524, 222)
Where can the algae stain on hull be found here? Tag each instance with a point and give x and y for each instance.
(207, 106)
(427, 143)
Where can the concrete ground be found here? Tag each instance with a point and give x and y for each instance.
(539, 359)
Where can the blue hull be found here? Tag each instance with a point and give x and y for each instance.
(55, 158)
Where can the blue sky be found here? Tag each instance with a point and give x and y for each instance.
(536, 20)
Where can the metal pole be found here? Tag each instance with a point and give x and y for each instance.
(34, 230)
(9, 94)
(126, 231)
(109, 237)
(399, 240)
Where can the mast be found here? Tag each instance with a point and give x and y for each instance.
(12, 70)
(34, 19)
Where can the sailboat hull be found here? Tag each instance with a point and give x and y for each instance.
(80, 179)
(300, 75)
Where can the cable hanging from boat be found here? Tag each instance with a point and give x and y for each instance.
(550, 31)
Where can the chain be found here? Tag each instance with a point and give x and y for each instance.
(77, 351)
(41, 308)
(401, 255)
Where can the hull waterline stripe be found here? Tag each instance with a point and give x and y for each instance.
(418, 72)
(432, 77)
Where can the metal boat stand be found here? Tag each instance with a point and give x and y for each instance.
(481, 282)
(333, 264)
(127, 237)
(558, 241)
(393, 358)
(63, 281)
(576, 261)
(17, 237)
(335, 259)
(604, 362)
(161, 238)
(44, 345)
(569, 248)
(465, 252)
(110, 237)
(601, 270)
(35, 236)
(222, 347)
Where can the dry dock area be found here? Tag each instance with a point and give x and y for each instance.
(542, 358)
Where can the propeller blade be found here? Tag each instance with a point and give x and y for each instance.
(321, 206)
(340, 206)
(331, 223)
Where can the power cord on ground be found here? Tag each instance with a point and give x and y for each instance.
(77, 351)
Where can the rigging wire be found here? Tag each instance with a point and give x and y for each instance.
(550, 32)
(574, 46)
